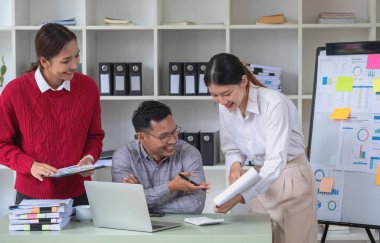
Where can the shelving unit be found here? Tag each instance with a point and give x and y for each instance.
(220, 26)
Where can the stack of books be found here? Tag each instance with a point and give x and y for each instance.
(336, 18)
(184, 22)
(267, 75)
(40, 215)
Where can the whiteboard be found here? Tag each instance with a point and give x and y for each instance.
(361, 196)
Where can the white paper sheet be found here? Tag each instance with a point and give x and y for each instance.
(329, 205)
(243, 183)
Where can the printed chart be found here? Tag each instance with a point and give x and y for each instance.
(329, 205)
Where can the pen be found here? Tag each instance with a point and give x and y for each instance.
(190, 180)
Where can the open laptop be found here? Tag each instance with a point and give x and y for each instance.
(121, 206)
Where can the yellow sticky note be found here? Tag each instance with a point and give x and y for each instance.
(326, 185)
(344, 84)
(378, 176)
(340, 113)
(376, 85)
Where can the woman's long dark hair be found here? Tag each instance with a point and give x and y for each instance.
(225, 68)
(50, 40)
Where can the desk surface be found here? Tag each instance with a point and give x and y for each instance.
(236, 228)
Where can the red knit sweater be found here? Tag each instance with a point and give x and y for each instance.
(55, 127)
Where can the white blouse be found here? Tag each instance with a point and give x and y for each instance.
(269, 135)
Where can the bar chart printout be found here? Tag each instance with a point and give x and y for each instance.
(329, 204)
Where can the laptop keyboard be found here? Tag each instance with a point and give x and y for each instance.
(155, 226)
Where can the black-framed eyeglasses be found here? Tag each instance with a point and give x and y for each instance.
(166, 136)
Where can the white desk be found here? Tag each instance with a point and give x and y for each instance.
(236, 228)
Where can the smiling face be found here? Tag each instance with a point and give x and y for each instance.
(62, 66)
(160, 140)
(230, 96)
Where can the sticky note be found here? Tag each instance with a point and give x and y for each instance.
(340, 113)
(324, 80)
(326, 185)
(376, 85)
(35, 210)
(378, 176)
(344, 84)
(373, 61)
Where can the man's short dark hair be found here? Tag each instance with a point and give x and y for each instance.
(149, 111)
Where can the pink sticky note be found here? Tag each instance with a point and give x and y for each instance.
(373, 61)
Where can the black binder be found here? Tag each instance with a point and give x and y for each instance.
(192, 138)
(202, 88)
(180, 136)
(135, 78)
(175, 78)
(209, 147)
(190, 78)
(121, 82)
(106, 78)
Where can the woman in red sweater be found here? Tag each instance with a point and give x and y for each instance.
(50, 118)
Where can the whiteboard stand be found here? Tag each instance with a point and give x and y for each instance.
(326, 228)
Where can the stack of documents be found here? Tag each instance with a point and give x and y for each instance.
(267, 75)
(185, 22)
(71, 21)
(40, 214)
(336, 18)
(113, 21)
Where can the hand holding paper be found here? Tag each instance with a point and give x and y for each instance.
(243, 183)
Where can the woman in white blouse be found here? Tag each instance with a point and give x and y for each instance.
(262, 125)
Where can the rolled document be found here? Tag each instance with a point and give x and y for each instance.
(243, 183)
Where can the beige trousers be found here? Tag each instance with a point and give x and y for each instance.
(291, 203)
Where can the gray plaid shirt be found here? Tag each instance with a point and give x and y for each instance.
(131, 159)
